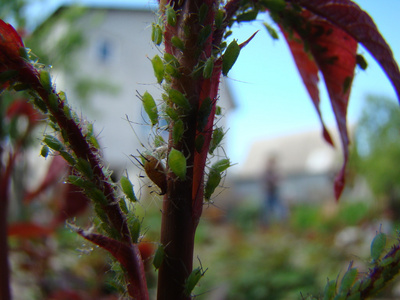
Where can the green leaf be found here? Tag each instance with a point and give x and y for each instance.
(177, 163)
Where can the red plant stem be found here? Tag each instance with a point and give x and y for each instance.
(5, 293)
(84, 150)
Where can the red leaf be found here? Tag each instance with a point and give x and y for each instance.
(28, 230)
(10, 42)
(335, 54)
(308, 70)
(351, 18)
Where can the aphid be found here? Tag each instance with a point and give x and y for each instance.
(158, 68)
(230, 56)
(134, 228)
(40, 104)
(68, 157)
(150, 107)
(347, 84)
(156, 172)
(171, 65)
(204, 113)
(214, 177)
(84, 167)
(44, 151)
(199, 142)
(177, 131)
(203, 11)
(275, 6)
(247, 16)
(348, 279)
(217, 137)
(386, 261)
(178, 43)
(127, 188)
(179, 99)
(158, 256)
(272, 32)
(156, 34)
(203, 35)
(219, 18)
(7, 75)
(53, 143)
(171, 16)
(193, 279)
(378, 245)
(45, 80)
(53, 101)
(330, 290)
(361, 62)
(208, 67)
(177, 163)
(97, 196)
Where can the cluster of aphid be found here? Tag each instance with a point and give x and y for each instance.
(383, 269)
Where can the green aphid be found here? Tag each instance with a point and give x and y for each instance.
(134, 228)
(159, 141)
(97, 196)
(53, 143)
(150, 107)
(40, 104)
(361, 62)
(386, 261)
(127, 188)
(80, 182)
(177, 131)
(213, 180)
(158, 257)
(158, 68)
(230, 56)
(330, 290)
(219, 18)
(24, 53)
(156, 34)
(274, 5)
(44, 151)
(53, 101)
(218, 135)
(45, 80)
(192, 280)
(123, 206)
(177, 163)
(272, 32)
(348, 280)
(179, 99)
(67, 112)
(247, 16)
(214, 177)
(84, 167)
(218, 110)
(204, 33)
(208, 67)
(178, 43)
(68, 157)
(204, 113)
(347, 84)
(172, 113)
(377, 246)
(199, 143)
(171, 16)
(221, 165)
(203, 11)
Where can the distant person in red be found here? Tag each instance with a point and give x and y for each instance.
(272, 207)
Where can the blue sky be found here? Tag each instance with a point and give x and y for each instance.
(270, 97)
